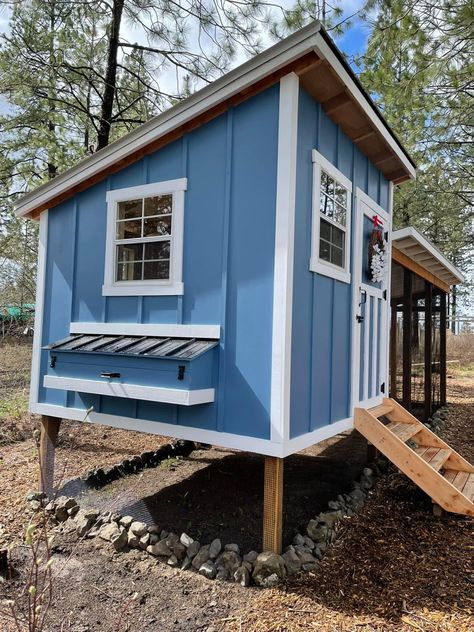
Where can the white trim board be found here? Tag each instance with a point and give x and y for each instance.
(304, 41)
(214, 437)
(131, 391)
(39, 309)
(148, 329)
(283, 258)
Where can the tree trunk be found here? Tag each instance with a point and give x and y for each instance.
(110, 76)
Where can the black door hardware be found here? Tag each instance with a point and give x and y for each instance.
(106, 374)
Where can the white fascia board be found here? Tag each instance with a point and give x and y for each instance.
(147, 329)
(411, 233)
(323, 50)
(267, 62)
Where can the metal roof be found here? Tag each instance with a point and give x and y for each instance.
(414, 245)
(145, 346)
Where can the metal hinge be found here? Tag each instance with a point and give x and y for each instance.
(52, 361)
(181, 370)
(384, 294)
(382, 387)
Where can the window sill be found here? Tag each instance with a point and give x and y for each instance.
(175, 289)
(329, 271)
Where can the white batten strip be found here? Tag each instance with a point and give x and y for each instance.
(139, 329)
(283, 268)
(131, 391)
(39, 309)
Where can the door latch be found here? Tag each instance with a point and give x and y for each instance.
(52, 361)
(181, 369)
(359, 318)
(109, 375)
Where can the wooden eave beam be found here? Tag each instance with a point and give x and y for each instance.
(363, 134)
(337, 102)
(415, 267)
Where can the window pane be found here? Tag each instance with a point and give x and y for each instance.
(158, 205)
(129, 230)
(325, 231)
(157, 250)
(327, 206)
(340, 214)
(337, 256)
(156, 270)
(327, 183)
(128, 209)
(341, 195)
(129, 271)
(157, 226)
(129, 253)
(324, 250)
(337, 237)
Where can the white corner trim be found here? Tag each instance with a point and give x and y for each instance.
(39, 309)
(148, 329)
(372, 204)
(283, 266)
(147, 190)
(315, 263)
(170, 287)
(316, 436)
(131, 391)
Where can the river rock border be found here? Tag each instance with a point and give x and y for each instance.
(217, 560)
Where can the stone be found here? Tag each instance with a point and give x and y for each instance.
(179, 550)
(138, 528)
(309, 566)
(160, 548)
(309, 542)
(298, 539)
(232, 547)
(201, 557)
(66, 502)
(208, 570)
(50, 507)
(83, 527)
(133, 541)
(222, 574)
(120, 540)
(173, 561)
(73, 511)
(251, 556)
(35, 505)
(154, 529)
(163, 534)
(292, 562)
(316, 531)
(367, 471)
(248, 566)
(229, 560)
(334, 504)
(109, 531)
(366, 482)
(329, 518)
(61, 514)
(186, 564)
(35, 496)
(126, 521)
(193, 549)
(242, 576)
(185, 539)
(154, 538)
(305, 558)
(144, 541)
(215, 548)
(269, 569)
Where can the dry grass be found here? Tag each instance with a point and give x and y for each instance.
(461, 348)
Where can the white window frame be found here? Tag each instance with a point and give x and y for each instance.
(316, 264)
(149, 287)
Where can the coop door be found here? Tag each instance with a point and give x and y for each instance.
(371, 268)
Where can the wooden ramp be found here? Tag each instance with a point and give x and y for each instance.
(428, 461)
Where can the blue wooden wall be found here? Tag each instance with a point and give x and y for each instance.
(231, 166)
(321, 329)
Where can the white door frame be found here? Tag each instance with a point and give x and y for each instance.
(363, 206)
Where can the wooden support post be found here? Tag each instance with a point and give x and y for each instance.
(273, 504)
(47, 447)
(428, 349)
(393, 351)
(442, 350)
(407, 336)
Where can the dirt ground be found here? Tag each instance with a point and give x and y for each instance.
(394, 567)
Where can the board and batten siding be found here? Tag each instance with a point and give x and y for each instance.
(228, 265)
(322, 318)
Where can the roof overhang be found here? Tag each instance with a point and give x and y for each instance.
(411, 249)
(323, 72)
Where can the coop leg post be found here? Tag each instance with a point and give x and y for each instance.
(273, 504)
(47, 447)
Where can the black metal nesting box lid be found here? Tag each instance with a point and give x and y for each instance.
(144, 346)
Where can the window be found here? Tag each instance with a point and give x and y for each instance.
(145, 239)
(330, 248)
